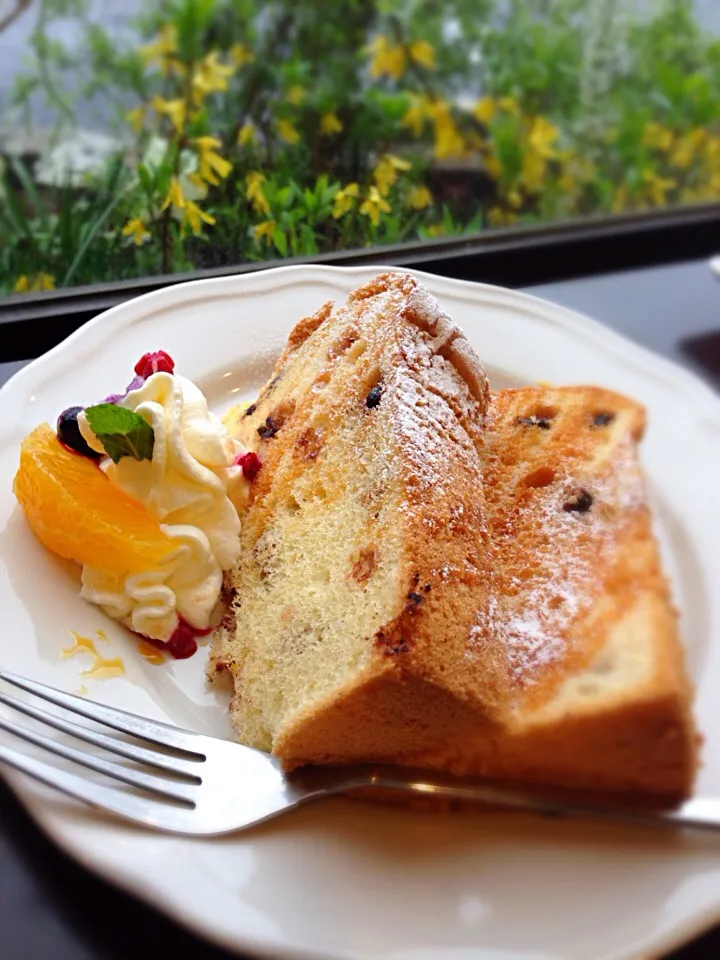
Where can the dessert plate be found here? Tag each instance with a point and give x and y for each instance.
(352, 879)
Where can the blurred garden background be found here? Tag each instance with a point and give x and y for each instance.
(148, 138)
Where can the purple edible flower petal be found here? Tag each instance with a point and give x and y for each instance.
(134, 384)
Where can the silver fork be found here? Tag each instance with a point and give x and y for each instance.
(203, 786)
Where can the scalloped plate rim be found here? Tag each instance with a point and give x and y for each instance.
(106, 324)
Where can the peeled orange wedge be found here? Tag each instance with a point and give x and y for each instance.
(76, 512)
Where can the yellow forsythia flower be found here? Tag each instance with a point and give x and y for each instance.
(501, 218)
(330, 123)
(657, 187)
(210, 76)
(296, 94)
(422, 53)
(419, 197)
(174, 197)
(246, 134)
(385, 173)
(35, 284)
(136, 118)
(415, 116)
(213, 167)
(256, 195)
(240, 54)
(164, 44)
(543, 135)
(387, 58)
(538, 150)
(620, 200)
(187, 211)
(534, 168)
(493, 166)
(135, 228)
(264, 230)
(688, 147)
(287, 132)
(657, 137)
(449, 141)
(344, 199)
(514, 198)
(195, 217)
(374, 205)
(575, 173)
(176, 110)
(509, 105)
(484, 110)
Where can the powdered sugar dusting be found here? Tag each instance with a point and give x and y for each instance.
(548, 560)
(424, 430)
(431, 404)
(428, 404)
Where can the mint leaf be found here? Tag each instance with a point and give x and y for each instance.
(121, 432)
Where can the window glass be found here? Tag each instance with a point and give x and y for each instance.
(144, 138)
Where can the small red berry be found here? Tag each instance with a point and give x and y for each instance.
(250, 463)
(182, 643)
(158, 362)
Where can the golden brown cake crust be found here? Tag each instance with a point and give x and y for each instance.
(435, 577)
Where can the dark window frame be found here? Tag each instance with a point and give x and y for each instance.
(30, 324)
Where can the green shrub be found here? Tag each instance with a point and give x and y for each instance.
(257, 130)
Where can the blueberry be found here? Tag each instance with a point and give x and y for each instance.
(68, 433)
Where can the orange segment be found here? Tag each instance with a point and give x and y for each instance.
(75, 511)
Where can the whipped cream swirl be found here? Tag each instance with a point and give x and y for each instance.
(195, 490)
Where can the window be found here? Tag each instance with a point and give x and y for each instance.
(140, 139)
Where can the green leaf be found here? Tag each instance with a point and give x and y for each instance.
(280, 241)
(22, 89)
(145, 179)
(122, 432)
(285, 196)
(192, 19)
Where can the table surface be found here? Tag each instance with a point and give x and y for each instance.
(52, 908)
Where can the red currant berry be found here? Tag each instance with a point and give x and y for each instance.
(158, 362)
(182, 643)
(250, 463)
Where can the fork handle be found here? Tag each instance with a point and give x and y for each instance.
(700, 813)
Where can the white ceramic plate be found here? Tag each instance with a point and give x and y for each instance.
(348, 879)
